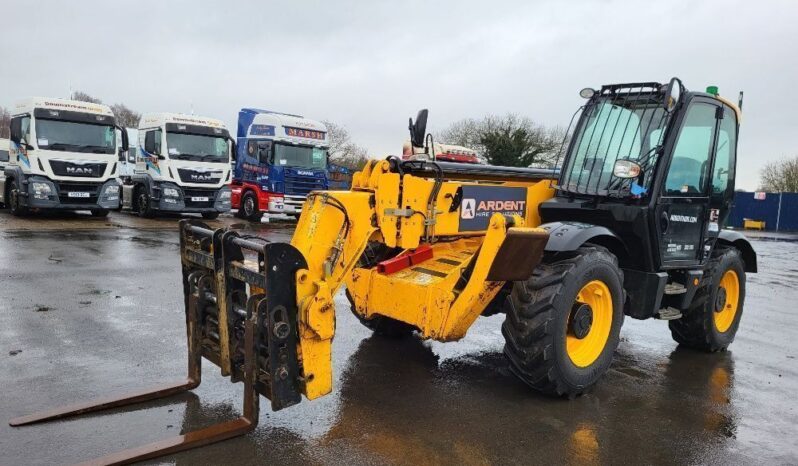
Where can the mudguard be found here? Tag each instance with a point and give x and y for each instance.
(739, 241)
(569, 236)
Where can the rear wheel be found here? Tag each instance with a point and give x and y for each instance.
(563, 324)
(249, 207)
(711, 321)
(14, 201)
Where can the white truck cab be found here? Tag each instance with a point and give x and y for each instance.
(181, 164)
(62, 154)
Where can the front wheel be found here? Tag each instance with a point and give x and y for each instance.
(248, 209)
(711, 321)
(563, 325)
(14, 201)
(143, 204)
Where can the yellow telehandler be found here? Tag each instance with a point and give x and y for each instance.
(631, 225)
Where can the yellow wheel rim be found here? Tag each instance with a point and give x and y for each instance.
(725, 312)
(584, 351)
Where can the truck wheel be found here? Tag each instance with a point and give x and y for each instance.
(249, 207)
(711, 321)
(99, 212)
(14, 203)
(143, 204)
(563, 324)
(210, 215)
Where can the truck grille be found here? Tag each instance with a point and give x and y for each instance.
(199, 177)
(83, 170)
(208, 193)
(65, 188)
(297, 185)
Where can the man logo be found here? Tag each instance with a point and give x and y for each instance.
(79, 171)
(468, 209)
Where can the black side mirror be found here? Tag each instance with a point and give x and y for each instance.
(418, 130)
(16, 130)
(673, 92)
(233, 149)
(149, 143)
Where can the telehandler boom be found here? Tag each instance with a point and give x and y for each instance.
(631, 226)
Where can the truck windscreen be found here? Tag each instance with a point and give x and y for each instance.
(300, 156)
(72, 136)
(186, 146)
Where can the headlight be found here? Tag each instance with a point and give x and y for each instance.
(171, 192)
(41, 188)
(112, 189)
(224, 195)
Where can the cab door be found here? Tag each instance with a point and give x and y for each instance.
(682, 212)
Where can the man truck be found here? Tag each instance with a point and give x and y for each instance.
(281, 159)
(181, 165)
(62, 155)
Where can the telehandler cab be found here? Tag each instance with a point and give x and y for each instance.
(631, 225)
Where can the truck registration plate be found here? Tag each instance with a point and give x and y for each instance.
(76, 194)
(200, 199)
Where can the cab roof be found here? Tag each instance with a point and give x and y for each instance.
(29, 104)
(151, 120)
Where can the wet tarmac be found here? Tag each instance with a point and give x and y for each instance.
(92, 307)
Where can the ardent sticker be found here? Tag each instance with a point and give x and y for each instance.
(481, 202)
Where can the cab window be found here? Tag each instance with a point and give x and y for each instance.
(725, 154)
(688, 174)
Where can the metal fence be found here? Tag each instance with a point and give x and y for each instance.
(779, 211)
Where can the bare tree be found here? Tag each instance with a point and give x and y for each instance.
(506, 140)
(5, 123)
(84, 97)
(342, 150)
(125, 116)
(780, 177)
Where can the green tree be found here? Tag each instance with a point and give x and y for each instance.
(509, 140)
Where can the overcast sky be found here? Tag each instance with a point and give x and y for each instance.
(369, 65)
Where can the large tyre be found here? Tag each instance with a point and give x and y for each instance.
(143, 204)
(248, 209)
(14, 203)
(563, 325)
(711, 321)
(380, 325)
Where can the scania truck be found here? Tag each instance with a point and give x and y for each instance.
(281, 159)
(63, 154)
(181, 165)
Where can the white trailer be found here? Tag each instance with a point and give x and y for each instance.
(181, 164)
(62, 155)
